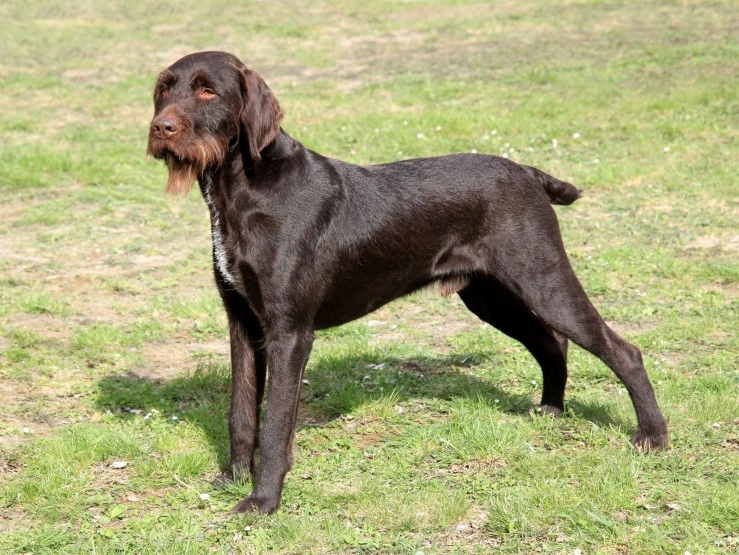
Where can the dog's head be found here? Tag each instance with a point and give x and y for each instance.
(203, 105)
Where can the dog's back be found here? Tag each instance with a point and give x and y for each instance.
(398, 227)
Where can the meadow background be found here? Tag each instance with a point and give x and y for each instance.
(414, 432)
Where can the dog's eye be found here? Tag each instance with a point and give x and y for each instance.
(163, 91)
(206, 94)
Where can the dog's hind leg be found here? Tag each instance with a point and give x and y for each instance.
(493, 303)
(547, 285)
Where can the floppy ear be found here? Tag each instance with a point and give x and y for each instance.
(260, 112)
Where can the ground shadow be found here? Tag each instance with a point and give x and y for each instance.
(335, 386)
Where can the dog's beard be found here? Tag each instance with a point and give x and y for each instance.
(182, 175)
(187, 163)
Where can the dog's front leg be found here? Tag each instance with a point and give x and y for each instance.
(287, 355)
(248, 371)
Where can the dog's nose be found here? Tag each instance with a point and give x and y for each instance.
(163, 128)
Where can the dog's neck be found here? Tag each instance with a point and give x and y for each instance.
(216, 182)
(239, 160)
(217, 188)
(281, 148)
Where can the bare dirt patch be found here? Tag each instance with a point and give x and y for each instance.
(167, 360)
(58, 280)
(31, 411)
(727, 242)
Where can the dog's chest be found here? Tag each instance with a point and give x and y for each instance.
(220, 253)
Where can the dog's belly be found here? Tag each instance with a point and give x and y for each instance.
(360, 290)
(356, 291)
(348, 304)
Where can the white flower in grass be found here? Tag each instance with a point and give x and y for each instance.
(555, 144)
(576, 135)
(666, 149)
(419, 136)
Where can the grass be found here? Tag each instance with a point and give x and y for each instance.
(414, 432)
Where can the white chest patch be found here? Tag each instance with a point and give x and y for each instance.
(219, 249)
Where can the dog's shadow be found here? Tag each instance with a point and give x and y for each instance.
(333, 387)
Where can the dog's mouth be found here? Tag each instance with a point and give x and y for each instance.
(182, 172)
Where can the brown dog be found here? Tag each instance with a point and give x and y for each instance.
(304, 242)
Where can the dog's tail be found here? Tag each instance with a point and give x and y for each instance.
(559, 192)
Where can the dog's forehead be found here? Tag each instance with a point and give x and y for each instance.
(209, 62)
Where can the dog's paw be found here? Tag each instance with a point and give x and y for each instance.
(223, 480)
(649, 441)
(252, 504)
(236, 473)
(547, 410)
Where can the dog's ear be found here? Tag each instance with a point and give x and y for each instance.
(261, 114)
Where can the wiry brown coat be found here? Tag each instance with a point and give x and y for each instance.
(303, 242)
